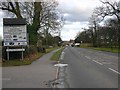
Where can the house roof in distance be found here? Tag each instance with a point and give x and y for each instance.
(14, 21)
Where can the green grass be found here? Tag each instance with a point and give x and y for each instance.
(85, 45)
(16, 63)
(107, 49)
(51, 49)
(114, 50)
(56, 56)
(26, 61)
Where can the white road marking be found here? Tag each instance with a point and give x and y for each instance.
(87, 57)
(6, 79)
(61, 65)
(97, 62)
(62, 55)
(114, 70)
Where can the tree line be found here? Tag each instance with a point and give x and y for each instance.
(106, 34)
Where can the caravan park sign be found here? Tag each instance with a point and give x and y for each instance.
(14, 32)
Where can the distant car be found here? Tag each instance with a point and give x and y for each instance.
(72, 45)
(77, 44)
(66, 45)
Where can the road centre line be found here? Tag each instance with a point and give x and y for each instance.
(108, 68)
(6, 79)
(114, 70)
(97, 62)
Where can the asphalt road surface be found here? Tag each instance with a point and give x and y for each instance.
(90, 68)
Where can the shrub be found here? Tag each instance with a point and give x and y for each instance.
(12, 55)
(31, 50)
(4, 53)
(41, 49)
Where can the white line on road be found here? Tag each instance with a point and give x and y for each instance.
(97, 62)
(87, 57)
(62, 55)
(6, 79)
(114, 70)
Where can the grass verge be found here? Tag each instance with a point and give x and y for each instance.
(107, 49)
(85, 45)
(114, 50)
(56, 56)
(26, 61)
(51, 49)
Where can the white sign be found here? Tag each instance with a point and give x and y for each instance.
(15, 35)
(10, 50)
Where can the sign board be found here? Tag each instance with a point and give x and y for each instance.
(10, 50)
(14, 32)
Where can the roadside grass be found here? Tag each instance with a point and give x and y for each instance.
(114, 50)
(26, 61)
(85, 45)
(56, 56)
(51, 49)
(16, 63)
(107, 49)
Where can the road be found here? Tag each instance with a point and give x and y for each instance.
(90, 68)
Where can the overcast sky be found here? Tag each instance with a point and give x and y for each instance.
(76, 14)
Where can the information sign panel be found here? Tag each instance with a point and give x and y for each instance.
(14, 35)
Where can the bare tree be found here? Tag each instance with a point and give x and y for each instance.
(108, 9)
(50, 19)
(93, 24)
(12, 7)
(40, 15)
(17, 9)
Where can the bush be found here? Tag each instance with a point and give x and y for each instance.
(30, 50)
(12, 55)
(41, 49)
(4, 53)
(45, 46)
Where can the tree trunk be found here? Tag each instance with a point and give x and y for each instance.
(95, 35)
(36, 21)
(18, 14)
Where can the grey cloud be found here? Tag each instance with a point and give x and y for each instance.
(77, 17)
(76, 13)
